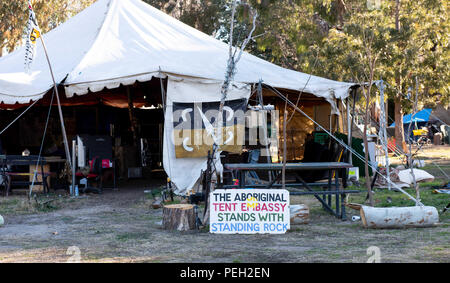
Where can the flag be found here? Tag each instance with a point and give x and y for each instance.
(195, 130)
(33, 33)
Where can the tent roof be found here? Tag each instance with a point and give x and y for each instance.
(115, 42)
(421, 116)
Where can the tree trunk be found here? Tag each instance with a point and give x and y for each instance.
(366, 125)
(399, 130)
(398, 217)
(366, 150)
(341, 9)
(299, 214)
(397, 14)
(179, 217)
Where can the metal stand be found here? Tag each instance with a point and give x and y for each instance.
(207, 180)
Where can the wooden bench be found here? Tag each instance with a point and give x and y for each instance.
(10, 173)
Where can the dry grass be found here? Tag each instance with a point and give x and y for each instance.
(121, 227)
(21, 205)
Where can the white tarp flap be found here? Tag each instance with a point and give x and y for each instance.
(115, 42)
(405, 176)
(185, 172)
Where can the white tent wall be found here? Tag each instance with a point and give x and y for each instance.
(185, 172)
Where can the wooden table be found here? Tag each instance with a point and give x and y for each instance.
(49, 161)
(8, 175)
(324, 195)
(41, 182)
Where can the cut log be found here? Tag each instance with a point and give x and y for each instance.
(398, 217)
(179, 217)
(299, 214)
(157, 204)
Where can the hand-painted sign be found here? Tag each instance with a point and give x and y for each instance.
(249, 211)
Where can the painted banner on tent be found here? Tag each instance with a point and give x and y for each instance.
(249, 211)
(195, 129)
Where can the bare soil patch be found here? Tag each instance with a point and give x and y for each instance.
(120, 226)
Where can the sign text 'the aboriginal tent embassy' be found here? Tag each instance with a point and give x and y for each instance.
(249, 211)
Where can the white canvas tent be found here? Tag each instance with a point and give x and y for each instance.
(116, 42)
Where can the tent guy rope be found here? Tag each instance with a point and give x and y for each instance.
(41, 148)
(34, 33)
(18, 117)
(341, 142)
(55, 87)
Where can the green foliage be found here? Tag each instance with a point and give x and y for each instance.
(419, 48)
(205, 15)
(330, 38)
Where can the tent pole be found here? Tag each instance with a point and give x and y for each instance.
(384, 137)
(355, 92)
(63, 128)
(74, 157)
(131, 116)
(264, 121)
(349, 131)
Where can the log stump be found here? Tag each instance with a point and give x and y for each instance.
(179, 217)
(299, 214)
(399, 217)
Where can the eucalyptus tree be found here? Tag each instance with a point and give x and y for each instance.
(49, 13)
(415, 35)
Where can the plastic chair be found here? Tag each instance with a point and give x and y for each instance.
(94, 175)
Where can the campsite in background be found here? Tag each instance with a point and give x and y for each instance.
(304, 131)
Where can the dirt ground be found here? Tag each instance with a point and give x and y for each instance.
(120, 226)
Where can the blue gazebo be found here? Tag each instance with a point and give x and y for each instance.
(420, 117)
(418, 120)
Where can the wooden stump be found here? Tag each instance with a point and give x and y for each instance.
(179, 217)
(157, 204)
(299, 214)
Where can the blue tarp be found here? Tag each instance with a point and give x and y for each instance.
(421, 116)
